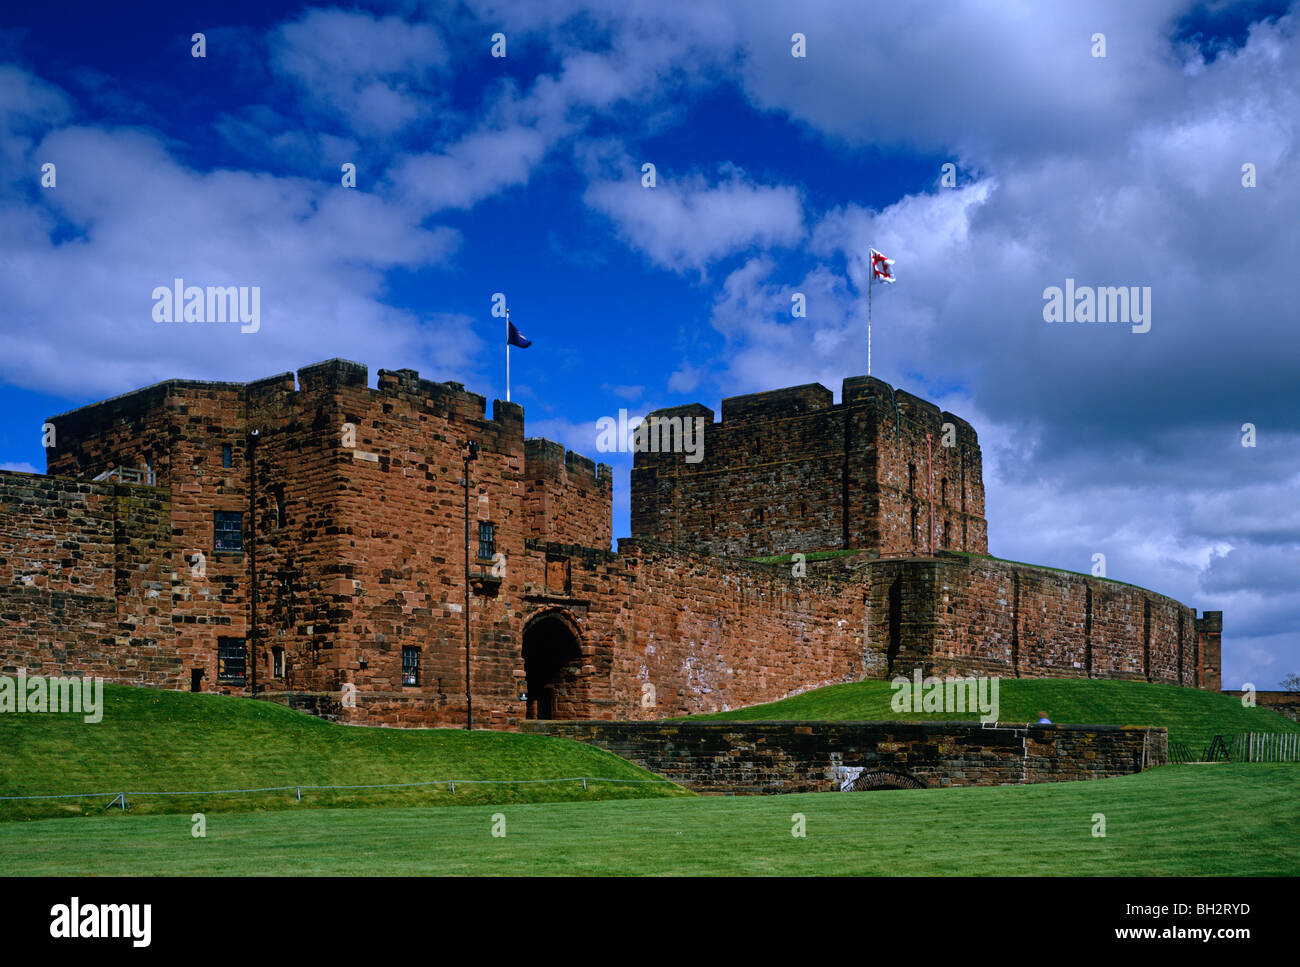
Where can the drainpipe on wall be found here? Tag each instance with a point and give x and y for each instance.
(252, 556)
(471, 453)
(929, 486)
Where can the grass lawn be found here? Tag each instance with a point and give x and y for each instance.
(1192, 716)
(152, 740)
(1234, 820)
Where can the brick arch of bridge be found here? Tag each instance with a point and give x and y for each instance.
(552, 652)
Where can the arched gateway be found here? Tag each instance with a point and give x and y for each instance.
(552, 660)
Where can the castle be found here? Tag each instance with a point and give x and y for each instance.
(395, 556)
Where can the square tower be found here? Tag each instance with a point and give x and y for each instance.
(791, 471)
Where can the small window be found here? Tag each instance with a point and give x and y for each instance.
(277, 662)
(227, 456)
(229, 531)
(410, 665)
(487, 542)
(278, 492)
(231, 661)
(943, 499)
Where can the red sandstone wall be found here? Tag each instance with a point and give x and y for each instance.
(179, 429)
(995, 617)
(133, 430)
(298, 560)
(568, 499)
(892, 484)
(748, 758)
(360, 548)
(705, 633)
(1209, 643)
(769, 478)
(398, 573)
(86, 581)
(788, 471)
(359, 552)
(902, 616)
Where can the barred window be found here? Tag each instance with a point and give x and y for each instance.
(227, 455)
(231, 661)
(487, 542)
(410, 665)
(229, 531)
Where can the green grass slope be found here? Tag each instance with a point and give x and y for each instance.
(1234, 820)
(1192, 716)
(162, 741)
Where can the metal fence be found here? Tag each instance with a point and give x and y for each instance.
(1265, 747)
(1243, 747)
(123, 799)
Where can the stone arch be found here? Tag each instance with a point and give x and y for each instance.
(886, 779)
(552, 652)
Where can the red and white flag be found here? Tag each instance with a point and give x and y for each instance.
(880, 270)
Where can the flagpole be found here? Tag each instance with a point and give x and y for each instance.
(871, 273)
(507, 355)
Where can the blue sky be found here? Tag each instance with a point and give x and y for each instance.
(522, 175)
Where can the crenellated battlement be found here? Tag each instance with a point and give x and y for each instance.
(777, 404)
(568, 498)
(311, 535)
(546, 457)
(790, 470)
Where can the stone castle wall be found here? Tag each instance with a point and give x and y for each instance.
(353, 511)
(779, 757)
(568, 499)
(85, 581)
(789, 471)
(681, 632)
(962, 615)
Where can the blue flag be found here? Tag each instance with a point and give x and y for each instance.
(515, 338)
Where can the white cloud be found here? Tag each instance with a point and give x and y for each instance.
(476, 167)
(634, 57)
(685, 379)
(127, 217)
(685, 223)
(625, 392)
(374, 73)
(963, 76)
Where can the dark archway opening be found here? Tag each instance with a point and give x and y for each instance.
(552, 658)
